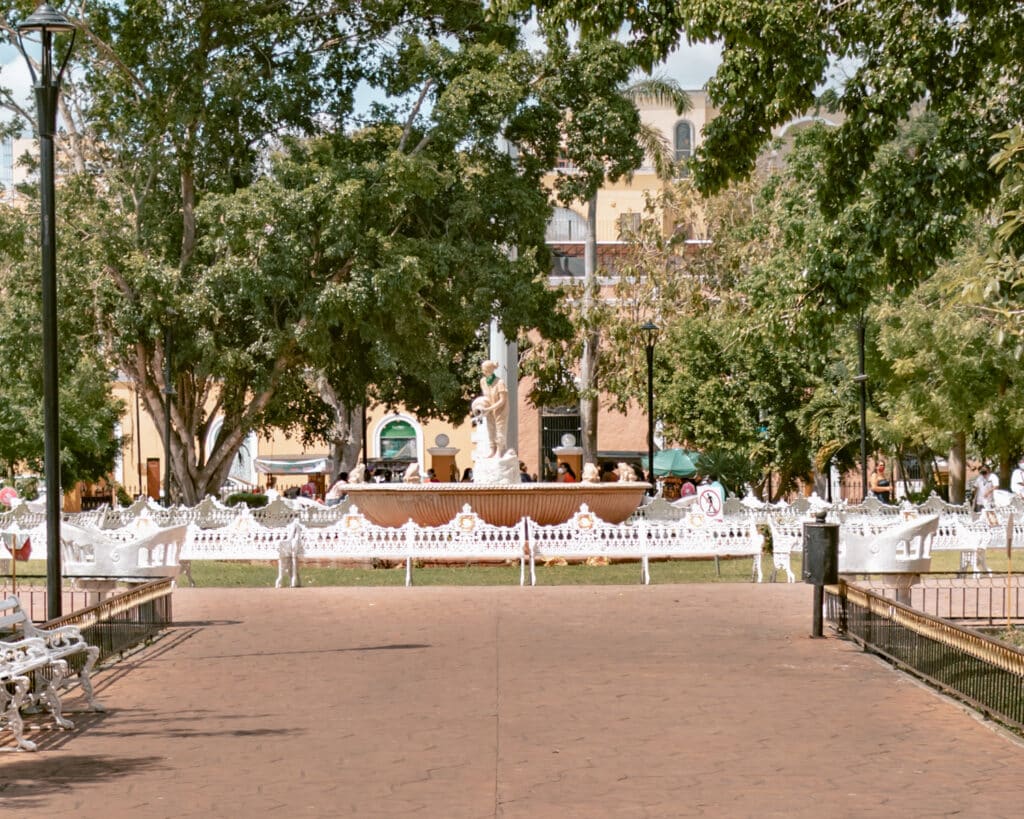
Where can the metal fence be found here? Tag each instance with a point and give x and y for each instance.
(31, 591)
(975, 602)
(124, 620)
(985, 672)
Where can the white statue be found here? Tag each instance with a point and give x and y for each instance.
(495, 392)
(590, 474)
(489, 417)
(626, 472)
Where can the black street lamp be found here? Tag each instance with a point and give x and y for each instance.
(169, 393)
(48, 21)
(862, 379)
(650, 331)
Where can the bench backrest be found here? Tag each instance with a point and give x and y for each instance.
(132, 553)
(584, 535)
(243, 539)
(902, 548)
(12, 616)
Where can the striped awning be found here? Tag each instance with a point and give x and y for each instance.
(299, 465)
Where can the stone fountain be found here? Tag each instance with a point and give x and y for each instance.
(496, 493)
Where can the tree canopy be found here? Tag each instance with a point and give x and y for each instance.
(220, 183)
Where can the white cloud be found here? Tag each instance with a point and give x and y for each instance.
(692, 65)
(15, 76)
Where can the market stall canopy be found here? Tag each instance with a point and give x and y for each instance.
(303, 465)
(676, 462)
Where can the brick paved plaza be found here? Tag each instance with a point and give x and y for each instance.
(664, 701)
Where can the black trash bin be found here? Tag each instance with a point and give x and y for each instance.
(821, 551)
(821, 562)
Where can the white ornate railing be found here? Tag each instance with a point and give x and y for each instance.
(290, 534)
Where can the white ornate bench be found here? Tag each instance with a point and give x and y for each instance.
(701, 536)
(19, 662)
(61, 643)
(787, 537)
(585, 535)
(900, 553)
(242, 539)
(139, 552)
(466, 537)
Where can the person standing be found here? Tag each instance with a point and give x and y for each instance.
(1017, 479)
(566, 474)
(878, 483)
(984, 489)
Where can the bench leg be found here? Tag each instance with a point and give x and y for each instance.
(13, 711)
(85, 678)
(49, 697)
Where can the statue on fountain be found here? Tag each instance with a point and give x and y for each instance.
(490, 424)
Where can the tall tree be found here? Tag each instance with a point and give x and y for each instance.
(603, 139)
(237, 203)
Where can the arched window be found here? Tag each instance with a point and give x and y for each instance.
(397, 440)
(565, 226)
(243, 466)
(684, 144)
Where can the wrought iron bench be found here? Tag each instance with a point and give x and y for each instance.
(466, 537)
(900, 553)
(19, 662)
(61, 644)
(242, 539)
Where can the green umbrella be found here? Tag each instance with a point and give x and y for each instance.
(672, 462)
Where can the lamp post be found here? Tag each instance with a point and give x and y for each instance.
(48, 22)
(650, 331)
(862, 379)
(169, 393)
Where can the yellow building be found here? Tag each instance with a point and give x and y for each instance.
(395, 438)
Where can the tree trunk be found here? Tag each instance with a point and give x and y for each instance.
(346, 434)
(588, 361)
(957, 467)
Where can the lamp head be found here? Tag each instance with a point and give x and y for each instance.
(43, 19)
(650, 331)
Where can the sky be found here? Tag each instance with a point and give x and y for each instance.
(691, 66)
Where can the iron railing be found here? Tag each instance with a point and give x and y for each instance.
(985, 672)
(125, 620)
(979, 602)
(31, 592)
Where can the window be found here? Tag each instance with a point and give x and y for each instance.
(398, 441)
(629, 225)
(684, 144)
(565, 226)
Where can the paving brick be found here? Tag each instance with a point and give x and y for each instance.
(659, 701)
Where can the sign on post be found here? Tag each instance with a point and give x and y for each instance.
(710, 502)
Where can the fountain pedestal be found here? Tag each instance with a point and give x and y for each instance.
(435, 504)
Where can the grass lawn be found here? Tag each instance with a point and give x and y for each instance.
(213, 574)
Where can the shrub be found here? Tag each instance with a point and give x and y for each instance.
(253, 500)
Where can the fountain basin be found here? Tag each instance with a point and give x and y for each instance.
(435, 504)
